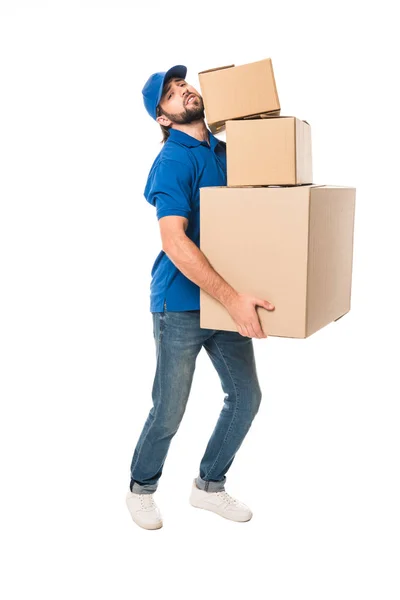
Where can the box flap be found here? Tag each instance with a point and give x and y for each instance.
(341, 316)
(347, 187)
(288, 185)
(216, 69)
(266, 115)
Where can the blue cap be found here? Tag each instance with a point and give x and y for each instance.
(153, 87)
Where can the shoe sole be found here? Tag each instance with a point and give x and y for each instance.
(149, 527)
(220, 514)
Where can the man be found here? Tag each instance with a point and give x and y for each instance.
(192, 157)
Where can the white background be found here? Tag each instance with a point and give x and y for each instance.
(320, 465)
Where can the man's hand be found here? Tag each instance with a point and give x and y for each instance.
(242, 309)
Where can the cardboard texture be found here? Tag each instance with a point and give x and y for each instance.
(231, 92)
(292, 246)
(273, 151)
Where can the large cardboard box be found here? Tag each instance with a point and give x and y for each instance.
(273, 151)
(231, 92)
(292, 246)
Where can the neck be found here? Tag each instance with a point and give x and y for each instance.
(196, 129)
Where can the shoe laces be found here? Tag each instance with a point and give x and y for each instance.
(147, 501)
(225, 496)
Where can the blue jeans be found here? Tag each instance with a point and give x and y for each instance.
(179, 339)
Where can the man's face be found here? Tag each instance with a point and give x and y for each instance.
(181, 103)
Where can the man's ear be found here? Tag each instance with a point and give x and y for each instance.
(162, 120)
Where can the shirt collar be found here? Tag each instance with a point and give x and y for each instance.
(191, 142)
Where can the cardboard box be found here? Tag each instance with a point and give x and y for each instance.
(292, 246)
(273, 151)
(237, 92)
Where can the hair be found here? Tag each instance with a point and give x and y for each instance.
(164, 129)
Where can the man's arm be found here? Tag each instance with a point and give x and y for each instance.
(191, 261)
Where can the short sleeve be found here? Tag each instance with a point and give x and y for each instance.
(170, 189)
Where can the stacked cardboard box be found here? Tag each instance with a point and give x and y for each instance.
(271, 232)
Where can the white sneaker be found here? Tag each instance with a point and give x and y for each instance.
(144, 511)
(221, 503)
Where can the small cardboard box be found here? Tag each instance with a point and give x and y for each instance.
(292, 246)
(273, 151)
(231, 92)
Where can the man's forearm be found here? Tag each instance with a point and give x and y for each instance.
(190, 260)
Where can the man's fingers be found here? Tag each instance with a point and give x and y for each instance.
(256, 331)
(246, 329)
(251, 330)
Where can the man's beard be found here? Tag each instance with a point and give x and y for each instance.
(190, 114)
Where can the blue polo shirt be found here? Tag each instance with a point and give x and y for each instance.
(181, 168)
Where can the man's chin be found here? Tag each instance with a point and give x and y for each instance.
(187, 118)
(197, 116)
